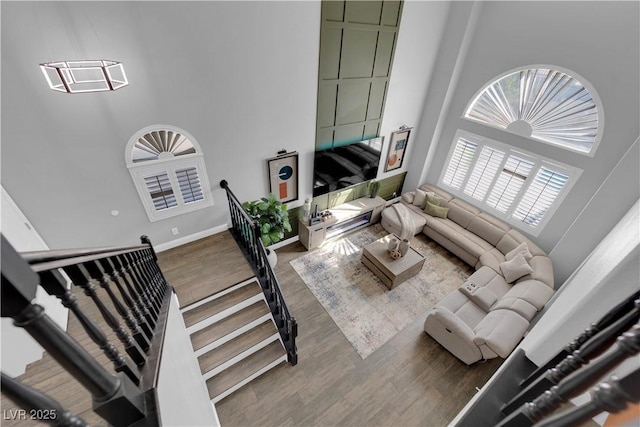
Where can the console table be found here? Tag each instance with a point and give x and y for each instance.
(346, 217)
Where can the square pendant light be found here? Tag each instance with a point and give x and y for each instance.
(84, 76)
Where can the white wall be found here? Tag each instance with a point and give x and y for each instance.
(240, 77)
(421, 30)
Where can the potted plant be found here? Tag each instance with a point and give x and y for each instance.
(272, 216)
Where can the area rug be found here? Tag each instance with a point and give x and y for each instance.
(365, 310)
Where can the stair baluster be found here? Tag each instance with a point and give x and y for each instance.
(605, 321)
(592, 348)
(81, 278)
(611, 396)
(627, 345)
(108, 267)
(53, 282)
(40, 407)
(246, 231)
(139, 295)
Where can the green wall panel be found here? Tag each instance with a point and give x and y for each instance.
(364, 12)
(358, 53)
(357, 42)
(391, 13)
(333, 11)
(348, 133)
(327, 93)
(384, 52)
(376, 99)
(352, 102)
(329, 56)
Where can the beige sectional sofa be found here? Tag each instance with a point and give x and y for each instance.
(488, 315)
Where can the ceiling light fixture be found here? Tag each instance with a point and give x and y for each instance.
(84, 76)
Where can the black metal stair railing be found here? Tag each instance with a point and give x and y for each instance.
(135, 309)
(578, 373)
(246, 232)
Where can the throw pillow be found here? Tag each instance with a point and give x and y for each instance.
(515, 268)
(419, 198)
(433, 210)
(521, 248)
(433, 198)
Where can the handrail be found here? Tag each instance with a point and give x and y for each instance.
(247, 233)
(135, 288)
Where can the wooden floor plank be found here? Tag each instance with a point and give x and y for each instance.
(412, 379)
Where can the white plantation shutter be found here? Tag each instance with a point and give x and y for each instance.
(167, 167)
(460, 163)
(556, 108)
(189, 184)
(161, 192)
(484, 171)
(518, 187)
(540, 196)
(511, 179)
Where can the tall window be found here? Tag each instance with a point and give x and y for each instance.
(543, 104)
(517, 186)
(168, 171)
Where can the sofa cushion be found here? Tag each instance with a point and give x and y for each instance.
(492, 259)
(457, 337)
(488, 278)
(434, 210)
(460, 211)
(488, 228)
(391, 220)
(515, 268)
(455, 233)
(521, 248)
(437, 190)
(433, 198)
(499, 333)
(542, 270)
(534, 292)
(408, 197)
(513, 238)
(482, 296)
(419, 198)
(457, 303)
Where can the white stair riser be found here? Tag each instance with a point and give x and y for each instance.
(219, 294)
(225, 313)
(250, 378)
(262, 344)
(232, 335)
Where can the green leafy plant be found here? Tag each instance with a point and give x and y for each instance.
(272, 216)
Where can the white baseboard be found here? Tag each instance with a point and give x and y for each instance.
(190, 238)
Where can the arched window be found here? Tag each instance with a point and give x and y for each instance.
(168, 170)
(543, 104)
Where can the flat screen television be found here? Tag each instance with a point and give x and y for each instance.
(346, 165)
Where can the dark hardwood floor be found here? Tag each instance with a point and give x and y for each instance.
(410, 381)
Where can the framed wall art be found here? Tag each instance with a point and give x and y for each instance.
(283, 176)
(397, 148)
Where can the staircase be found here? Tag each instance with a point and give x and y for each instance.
(234, 337)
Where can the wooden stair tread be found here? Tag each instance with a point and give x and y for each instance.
(229, 324)
(244, 369)
(229, 350)
(217, 305)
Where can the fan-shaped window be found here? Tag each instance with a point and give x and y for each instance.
(168, 170)
(543, 104)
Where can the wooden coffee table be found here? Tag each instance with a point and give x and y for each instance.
(391, 271)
